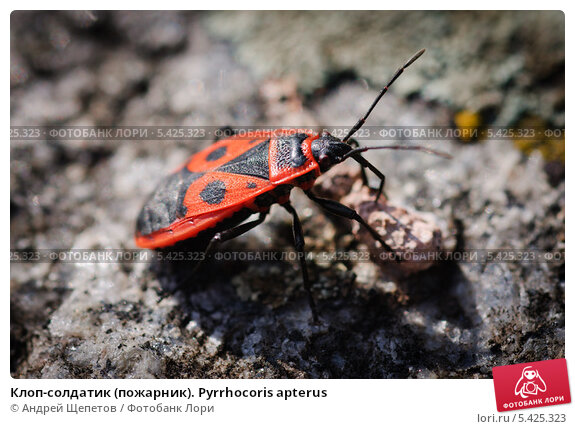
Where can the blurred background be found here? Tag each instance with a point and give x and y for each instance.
(323, 68)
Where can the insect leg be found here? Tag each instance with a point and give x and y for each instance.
(355, 144)
(299, 247)
(231, 233)
(366, 164)
(236, 231)
(339, 209)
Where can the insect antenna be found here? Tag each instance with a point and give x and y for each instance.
(354, 153)
(398, 73)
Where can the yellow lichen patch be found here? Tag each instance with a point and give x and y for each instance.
(467, 123)
(554, 150)
(537, 136)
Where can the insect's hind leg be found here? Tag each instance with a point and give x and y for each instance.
(236, 231)
(230, 234)
(299, 243)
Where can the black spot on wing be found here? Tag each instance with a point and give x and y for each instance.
(214, 192)
(251, 185)
(217, 153)
(166, 204)
(253, 162)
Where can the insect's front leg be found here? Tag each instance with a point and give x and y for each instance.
(355, 144)
(365, 164)
(339, 209)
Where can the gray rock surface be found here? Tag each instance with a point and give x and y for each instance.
(251, 319)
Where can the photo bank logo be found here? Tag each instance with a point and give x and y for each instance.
(532, 384)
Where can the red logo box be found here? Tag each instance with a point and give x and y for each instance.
(530, 385)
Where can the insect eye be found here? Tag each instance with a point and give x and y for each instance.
(324, 161)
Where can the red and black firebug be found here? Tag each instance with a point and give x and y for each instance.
(218, 188)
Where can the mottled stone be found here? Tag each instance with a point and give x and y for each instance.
(251, 319)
